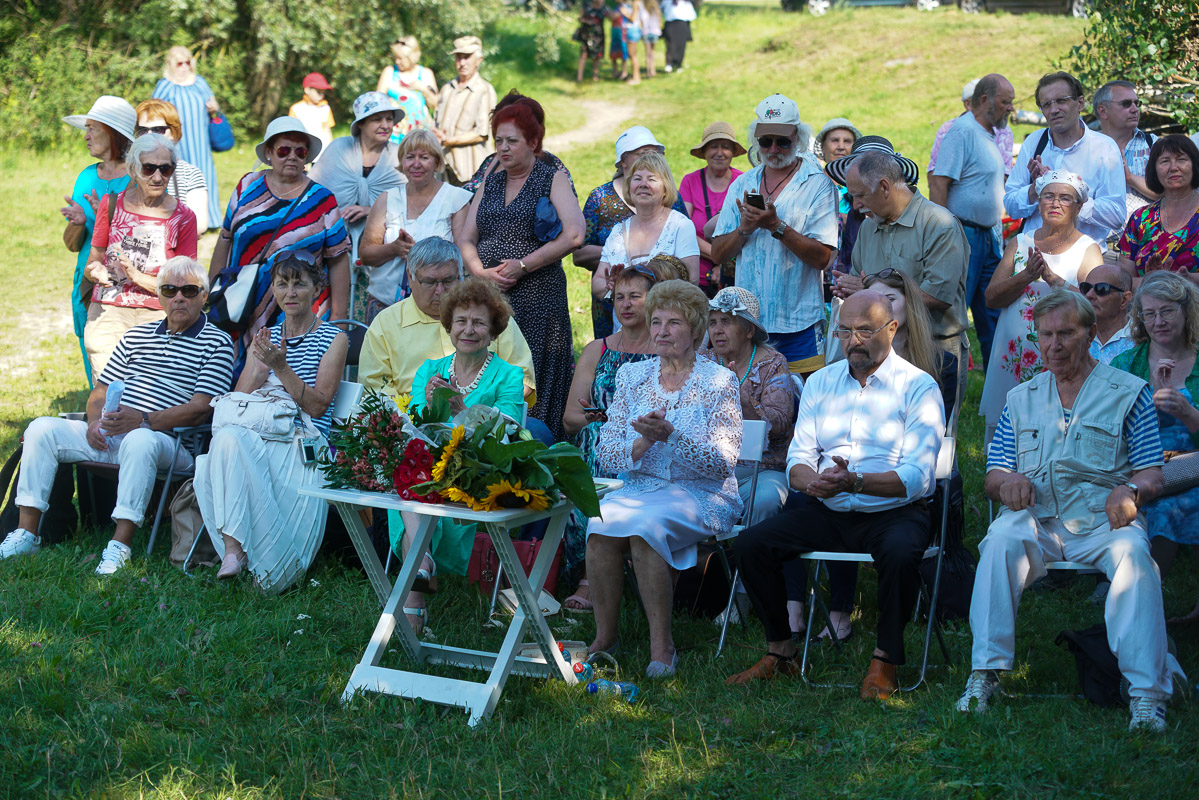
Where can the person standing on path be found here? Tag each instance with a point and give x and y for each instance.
(677, 16)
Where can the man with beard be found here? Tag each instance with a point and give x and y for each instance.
(968, 180)
(782, 228)
(865, 455)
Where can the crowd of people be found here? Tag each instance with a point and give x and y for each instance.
(818, 290)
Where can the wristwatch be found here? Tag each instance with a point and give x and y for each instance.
(859, 481)
(1136, 492)
(145, 420)
(778, 232)
(523, 268)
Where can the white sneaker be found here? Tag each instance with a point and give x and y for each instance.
(20, 543)
(114, 557)
(983, 684)
(1148, 713)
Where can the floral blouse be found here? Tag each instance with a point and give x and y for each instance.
(706, 415)
(772, 392)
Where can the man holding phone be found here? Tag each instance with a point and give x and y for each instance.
(782, 229)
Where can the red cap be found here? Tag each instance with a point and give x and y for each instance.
(315, 80)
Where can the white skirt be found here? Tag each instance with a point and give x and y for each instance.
(247, 488)
(667, 519)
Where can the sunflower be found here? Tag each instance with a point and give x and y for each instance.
(443, 463)
(504, 495)
(456, 495)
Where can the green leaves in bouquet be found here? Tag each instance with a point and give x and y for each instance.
(571, 475)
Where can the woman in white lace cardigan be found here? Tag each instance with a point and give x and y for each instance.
(673, 434)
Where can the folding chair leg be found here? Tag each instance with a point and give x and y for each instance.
(728, 609)
(188, 560)
(162, 500)
(495, 590)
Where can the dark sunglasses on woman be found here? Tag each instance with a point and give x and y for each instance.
(161, 130)
(285, 150)
(1100, 289)
(189, 290)
(149, 169)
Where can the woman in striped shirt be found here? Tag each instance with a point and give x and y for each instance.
(193, 99)
(248, 486)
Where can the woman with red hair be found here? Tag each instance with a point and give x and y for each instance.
(523, 220)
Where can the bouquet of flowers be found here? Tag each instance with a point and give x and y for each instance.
(479, 458)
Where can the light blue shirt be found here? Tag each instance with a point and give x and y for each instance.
(971, 160)
(789, 289)
(1120, 342)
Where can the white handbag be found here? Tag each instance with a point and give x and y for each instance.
(271, 416)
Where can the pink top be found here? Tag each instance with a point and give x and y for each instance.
(147, 242)
(691, 190)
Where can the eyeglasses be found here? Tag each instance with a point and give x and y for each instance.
(1058, 199)
(1127, 103)
(444, 283)
(881, 275)
(149, 169)
(285, 150)
(1100, 289)
(189, 291)
(1049, 105)
(1166, 315)
(161, 130)
(865, 336)
(781, 142)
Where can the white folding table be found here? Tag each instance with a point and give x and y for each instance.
(478, 699)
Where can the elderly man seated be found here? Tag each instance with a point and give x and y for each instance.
(171, 370)
(865, 453)
(1109, 289)
(410, 332)
(1075, 454)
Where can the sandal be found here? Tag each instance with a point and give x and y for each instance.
(422, 616)
(578, 603)
(844, 632)
(424, 582)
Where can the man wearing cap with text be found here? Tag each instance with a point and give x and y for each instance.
(782, 228)
(463, 107)
(905, 231)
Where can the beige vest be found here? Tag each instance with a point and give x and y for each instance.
(1073, 467)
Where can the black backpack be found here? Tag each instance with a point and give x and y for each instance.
(1098, 670)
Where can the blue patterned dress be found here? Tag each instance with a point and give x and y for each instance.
(1174, 517)
(194, 147)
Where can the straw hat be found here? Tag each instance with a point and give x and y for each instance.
(715, 132)
(115, 112)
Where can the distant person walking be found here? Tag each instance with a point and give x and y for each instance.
(677, 16)
(193, 99)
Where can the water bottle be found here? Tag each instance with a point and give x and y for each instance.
(565, 653)
(628, 691)
(112, 398)
(585, 671)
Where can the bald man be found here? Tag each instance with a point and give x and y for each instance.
(1109, 289)
(865, 455)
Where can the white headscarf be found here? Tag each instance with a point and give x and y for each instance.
(1071, 179)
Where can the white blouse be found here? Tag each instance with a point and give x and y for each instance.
(676, 239)
(433, 221)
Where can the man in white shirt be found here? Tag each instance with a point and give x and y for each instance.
(677, 16)
(1119, 111)
(865, 453)
(1068, 144)
(1109, 289)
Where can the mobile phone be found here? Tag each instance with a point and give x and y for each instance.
(755, 199)
(592, 410)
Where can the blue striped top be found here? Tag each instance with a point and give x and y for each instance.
(194, 146)
(304, 354)
(1140, 429)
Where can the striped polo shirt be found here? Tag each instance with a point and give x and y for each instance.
(163, 369)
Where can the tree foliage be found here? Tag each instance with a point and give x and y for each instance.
(1154, 44)
(57, 56)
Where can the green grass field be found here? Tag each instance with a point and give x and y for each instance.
(156, 685)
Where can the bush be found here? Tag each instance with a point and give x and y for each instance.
(57, 57)
(1152, 43)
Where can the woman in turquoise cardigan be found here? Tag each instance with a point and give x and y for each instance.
(474, 313)
(1165, 326)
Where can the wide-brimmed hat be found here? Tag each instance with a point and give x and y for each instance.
(715, 132)
(373, 103)
(872, 144)
(839, 123)
(315, 80)
(115, 112)
(1071, 179)
(740, 302)
(467, 46)
(635, 138)
(287, 125)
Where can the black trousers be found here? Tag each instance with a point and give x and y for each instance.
(676, 33)
(895, 538)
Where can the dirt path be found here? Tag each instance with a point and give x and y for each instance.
(604, 119)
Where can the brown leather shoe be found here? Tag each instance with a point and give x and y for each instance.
(769, 666)
(881, 681)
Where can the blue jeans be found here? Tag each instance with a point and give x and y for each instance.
(985, 252)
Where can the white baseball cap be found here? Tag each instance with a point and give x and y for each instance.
(115, 112)
(968, 89)
(635, 138)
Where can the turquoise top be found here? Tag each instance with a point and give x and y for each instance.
(502, 385)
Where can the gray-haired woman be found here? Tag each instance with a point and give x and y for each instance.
(136, 232)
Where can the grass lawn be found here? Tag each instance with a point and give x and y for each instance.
(152, 684)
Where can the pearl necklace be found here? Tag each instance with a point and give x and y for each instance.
(473, 384)
(748, 367)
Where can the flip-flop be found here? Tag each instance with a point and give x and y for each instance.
(585, 606)
(424, 578)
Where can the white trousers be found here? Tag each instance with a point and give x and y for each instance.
(771, 494)
(1013, 555)
(50, 441)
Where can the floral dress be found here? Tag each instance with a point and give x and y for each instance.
(1144, 238)
(1015, 354)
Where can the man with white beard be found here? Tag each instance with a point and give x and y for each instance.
(782, 229)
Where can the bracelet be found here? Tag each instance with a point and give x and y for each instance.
(743, 234)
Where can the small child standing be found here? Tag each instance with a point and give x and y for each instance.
(313, 110)
(590, 36)
(651, 31)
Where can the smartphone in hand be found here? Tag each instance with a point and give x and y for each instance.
(755, 199)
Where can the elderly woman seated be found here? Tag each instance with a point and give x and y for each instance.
(170, 370)
(473, 313)
(248, 483)
(673, 434)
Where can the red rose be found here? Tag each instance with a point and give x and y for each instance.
(402, 477)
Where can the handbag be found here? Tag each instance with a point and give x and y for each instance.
(484, 562)
(270, 416)
(546, 225)
(220, 133)
(186, 524)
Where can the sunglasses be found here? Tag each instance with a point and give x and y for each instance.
(1100, 289)
(161, 130)
(1128, 103)
(767, 142)
(285, 150)
(166, 169)
(295, 255)
(189, 291)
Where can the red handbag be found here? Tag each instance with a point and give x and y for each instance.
(485, 563)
